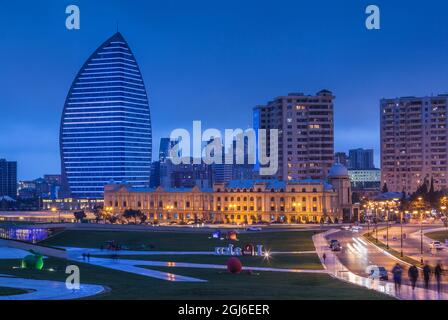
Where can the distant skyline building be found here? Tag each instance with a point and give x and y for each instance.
(164, 149)
(342, 158)
(360, 159)
(365, 180)
(185, 175)
(414, 142)
(306, 133)
(8, 179)
(106, 133)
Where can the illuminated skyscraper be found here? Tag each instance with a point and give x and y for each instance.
(106, 131)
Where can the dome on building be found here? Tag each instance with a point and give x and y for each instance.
(338, 171)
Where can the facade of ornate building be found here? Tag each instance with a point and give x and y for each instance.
(246, 201)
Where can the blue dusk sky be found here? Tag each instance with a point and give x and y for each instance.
(215, 60)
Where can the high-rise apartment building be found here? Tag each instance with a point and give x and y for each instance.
(8, 179)
(414, 142)
(106, 131)
(306, 133)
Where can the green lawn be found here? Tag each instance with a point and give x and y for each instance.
(439, 235)
(220, 285)
(10, 291)
(284, 261)
(178, 241)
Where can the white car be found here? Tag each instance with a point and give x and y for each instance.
(437, 245)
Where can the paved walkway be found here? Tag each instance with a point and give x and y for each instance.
(47, 290)
(40, 289)
(74, 251)
(335, 268)
(135, 266)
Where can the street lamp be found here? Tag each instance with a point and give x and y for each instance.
(387, 225)
(420, 199)
(401, 233)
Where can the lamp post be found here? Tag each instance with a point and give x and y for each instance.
(376, 232)
(401, 233)
(420, 199)
(443, 209)
(387, 225)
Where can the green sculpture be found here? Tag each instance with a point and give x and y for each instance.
(33, 261)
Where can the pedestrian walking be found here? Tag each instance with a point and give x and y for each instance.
(397, 272)
(324, 257)
(438, 272)
(413, 275)
(88, 257)
(426, 274)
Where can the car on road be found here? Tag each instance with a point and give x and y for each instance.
(379, 273)
(356, 228)
(335, 245)
(253, 229)
(437, 245)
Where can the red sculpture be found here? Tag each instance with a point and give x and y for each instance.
(234, 265)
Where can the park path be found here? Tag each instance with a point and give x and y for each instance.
(41, 289)
(136, 266)
(335, 268)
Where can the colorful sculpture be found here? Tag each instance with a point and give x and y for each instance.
(234, 265)
(33, 261)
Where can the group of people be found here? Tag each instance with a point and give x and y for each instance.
(413, 275)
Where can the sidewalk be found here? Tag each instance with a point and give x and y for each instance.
(336, 269)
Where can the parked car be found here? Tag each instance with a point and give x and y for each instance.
(437, 245)
(253, 229)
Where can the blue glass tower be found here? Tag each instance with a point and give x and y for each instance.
(106, 131)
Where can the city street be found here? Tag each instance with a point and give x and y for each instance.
(358, 254)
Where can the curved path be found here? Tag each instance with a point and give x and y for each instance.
(136, 266)
(41, 289)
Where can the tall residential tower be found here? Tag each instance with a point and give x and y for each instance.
(106, 124)
(306, 133)
(414, 142)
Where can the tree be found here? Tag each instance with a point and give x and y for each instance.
(385, 188)
(99, 213)
(80, 215)
(112, 219)
(143, 218)
(132, 214)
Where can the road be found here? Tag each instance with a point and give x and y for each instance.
(358, 254)
(412, 243)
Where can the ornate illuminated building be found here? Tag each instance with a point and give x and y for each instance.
(245, 201)
(106, 132)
